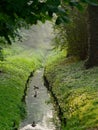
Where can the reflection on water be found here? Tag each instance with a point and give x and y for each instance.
(37, 127)
(38, 110)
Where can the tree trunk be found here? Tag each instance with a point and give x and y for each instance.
(92, 37)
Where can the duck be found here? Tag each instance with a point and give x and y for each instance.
(33, 124)
(36, 87)
(35, 95)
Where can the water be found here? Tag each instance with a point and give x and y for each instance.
(38, 109)
(38, 38)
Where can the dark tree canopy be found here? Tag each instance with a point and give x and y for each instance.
(15, 14)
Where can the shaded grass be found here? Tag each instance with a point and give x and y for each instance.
(14, 72)
(76, 90)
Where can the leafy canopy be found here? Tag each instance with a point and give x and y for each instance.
(15, 14)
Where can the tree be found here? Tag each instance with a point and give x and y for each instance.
(15, 14)
(92, 37)
(73, 36)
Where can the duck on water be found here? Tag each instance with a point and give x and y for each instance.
(34, 126)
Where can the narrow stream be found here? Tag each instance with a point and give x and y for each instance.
(39, 110)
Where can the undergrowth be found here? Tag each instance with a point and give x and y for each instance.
(14, 71)
(76, 90)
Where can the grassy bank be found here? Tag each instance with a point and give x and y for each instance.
(76, 90)
(14, 71)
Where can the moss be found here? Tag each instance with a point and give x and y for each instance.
(76, 90)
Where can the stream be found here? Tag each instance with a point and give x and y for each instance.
(40, 111)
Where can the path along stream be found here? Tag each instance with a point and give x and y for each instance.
(39, 112)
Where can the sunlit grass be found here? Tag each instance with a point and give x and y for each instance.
(55, 55)
(14, 71)
(76, 90)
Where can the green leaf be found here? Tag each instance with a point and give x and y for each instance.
(59, 20)
(50, 13)
(66, 19)
(92, 2)
(84, 1)
(71, 3)
(76, 4)
(80, 7)
(52, 8)
(62, 20)
(61, 11)
(53, 2)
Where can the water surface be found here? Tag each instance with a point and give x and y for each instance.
(38, 108)
(39, 111)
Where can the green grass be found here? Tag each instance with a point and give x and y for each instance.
(14, 71)
(76, 90)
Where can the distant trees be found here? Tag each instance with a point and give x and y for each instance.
(15, 14)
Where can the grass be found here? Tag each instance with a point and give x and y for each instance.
(14, 71)
(76, 90)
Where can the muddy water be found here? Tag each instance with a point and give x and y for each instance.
(38, 108)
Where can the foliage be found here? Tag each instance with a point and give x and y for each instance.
(15, 14)
(14, 71)
(77, 34)
(76, 90)
(73, 36)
